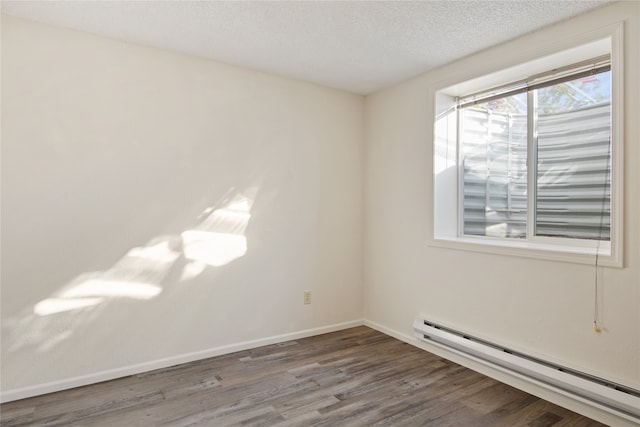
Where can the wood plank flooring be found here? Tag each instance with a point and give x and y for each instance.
(355, 377)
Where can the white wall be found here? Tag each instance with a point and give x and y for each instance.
(107, 147)
(543, 308)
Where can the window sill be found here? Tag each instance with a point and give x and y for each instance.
(527, 249)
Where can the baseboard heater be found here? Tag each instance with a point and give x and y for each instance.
(614, 397)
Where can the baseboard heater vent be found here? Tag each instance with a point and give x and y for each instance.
(609, 395)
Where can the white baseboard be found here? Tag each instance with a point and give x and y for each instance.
(531, 386)
(96, 377)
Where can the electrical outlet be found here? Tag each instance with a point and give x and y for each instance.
(307, 297)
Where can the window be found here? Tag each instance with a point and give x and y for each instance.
(566, 126)
(530, 165)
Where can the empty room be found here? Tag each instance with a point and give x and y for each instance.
(345, 213)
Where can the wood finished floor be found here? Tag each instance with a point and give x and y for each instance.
(355, 377)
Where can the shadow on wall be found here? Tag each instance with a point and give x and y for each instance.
(143, 273)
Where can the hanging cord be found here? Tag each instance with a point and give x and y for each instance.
(596, 309)
(596, 328)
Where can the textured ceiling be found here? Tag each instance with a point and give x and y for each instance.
(358, 46)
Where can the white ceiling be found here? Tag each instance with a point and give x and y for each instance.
(358, 46)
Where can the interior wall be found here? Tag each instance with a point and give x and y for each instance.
(156, 204)
(543, 308)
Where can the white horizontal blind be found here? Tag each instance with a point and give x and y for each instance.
(551, 77)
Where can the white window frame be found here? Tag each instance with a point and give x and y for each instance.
(445, 230)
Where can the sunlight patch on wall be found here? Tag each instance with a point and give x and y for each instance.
(216, 240)
(137, 275)
(220, 237)
(58, 305)
(212, 248)
(113, 288)
(159, 252)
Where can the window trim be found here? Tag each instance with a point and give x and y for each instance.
(445, 232)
